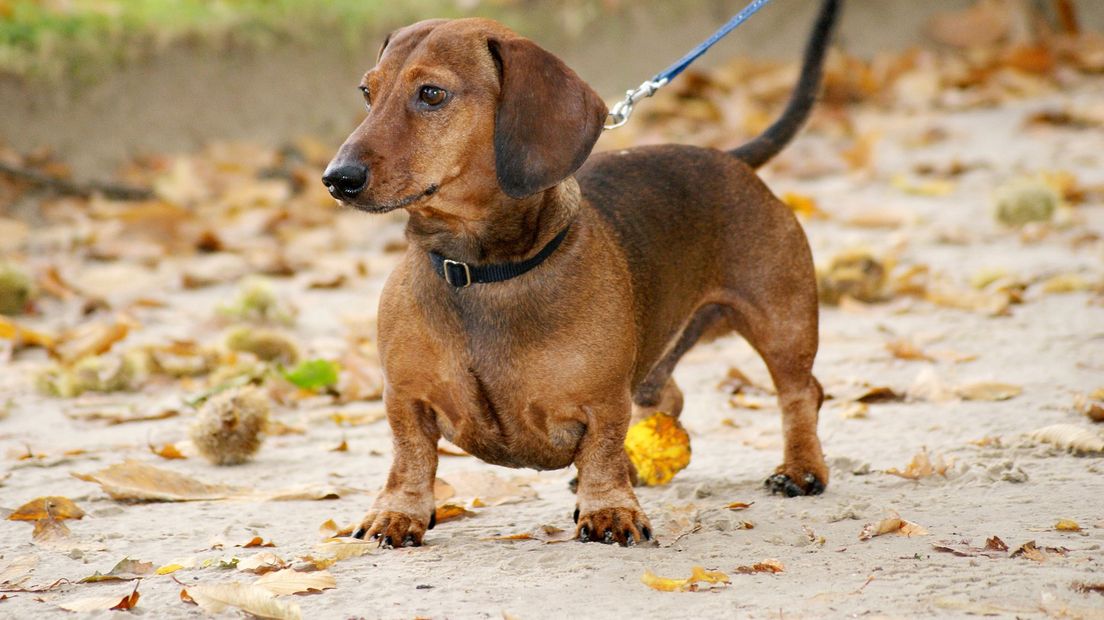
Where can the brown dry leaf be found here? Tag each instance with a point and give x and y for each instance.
(994, 548)
(1033, 552)
(91, 339)
(739, 505)
(136, 481)
(1070, 437)
(288, 581)
(256, 541)
(905, 349)
(216, 598)
(766, 566)
(878, 394)
(125, 570)
(1091, 405)
(261, 563)
(690, 584)
(22, 336)
(1085, 587)
(168, 451)
(892, 524)
(330, 529)
(50, 533)
(860, 155)
(1067, 525)
(341, 447)
(988, 391)
(922, 466)
(855, 411)
(47, 508)
(17, 570)
(103, 603)
(449, 512)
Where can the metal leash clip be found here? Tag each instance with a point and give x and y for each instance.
(622, 110)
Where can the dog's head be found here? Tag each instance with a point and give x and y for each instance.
(461, 112)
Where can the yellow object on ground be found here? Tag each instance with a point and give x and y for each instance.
(659, 448)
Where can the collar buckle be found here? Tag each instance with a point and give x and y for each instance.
(454, 270)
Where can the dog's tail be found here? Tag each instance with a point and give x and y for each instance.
(767, 144)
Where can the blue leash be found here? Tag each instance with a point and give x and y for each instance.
(621, 111)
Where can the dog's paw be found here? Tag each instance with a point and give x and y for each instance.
(394, 529)
(624, 526)
(805, 484)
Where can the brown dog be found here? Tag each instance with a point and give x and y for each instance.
(534, 312)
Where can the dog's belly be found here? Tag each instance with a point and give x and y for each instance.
(531, 436)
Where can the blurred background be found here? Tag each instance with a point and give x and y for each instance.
(97, 81)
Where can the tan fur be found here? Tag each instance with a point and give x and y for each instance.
(545, 370)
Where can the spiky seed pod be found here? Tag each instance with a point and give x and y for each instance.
(227, 430)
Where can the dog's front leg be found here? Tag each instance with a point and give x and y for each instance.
(404, 509)
(607, 510)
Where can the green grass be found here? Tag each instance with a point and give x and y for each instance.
(79, 38)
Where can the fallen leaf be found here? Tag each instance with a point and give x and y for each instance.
(697, 575)
(449, 512)
(252, 599)
(125, 570)
(288, 581)
(23, 336)
(766, 566)
(50, 533)
(261, 563)
(357, 418)
(988, 391)
(659, 448)
(338, 549)
(893, 524)
(1070, 437)
(256, 541)
(91, 339)
(548, 534)
(52, 507)
(928, 187)
(168, 451)
(922, 466)
(18, 570)
(1031, 551)
(1067, 525)
(313, 375)
(1084, 587)
(739, 505)
(341, 447)
(995, 543)
(136, 481)
(855, 411)
(488, 487)
(963, 549)
(803, 205)
(330, 529)
(168, 569)
(103, 603)
(907, 350)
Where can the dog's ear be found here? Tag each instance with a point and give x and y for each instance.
(548, 119)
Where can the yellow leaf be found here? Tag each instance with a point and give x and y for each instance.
(1067, 525)
(697, 575)
(932, 187)
(448, 512)
(169, 568)
(802, 205)
(168, 451)
(739, 505)
(658, 448)
(52, 507)
(10, 330)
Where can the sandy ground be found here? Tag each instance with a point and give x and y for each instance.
(1051, 345)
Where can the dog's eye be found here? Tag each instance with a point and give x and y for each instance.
(432, 96)
(367, 96)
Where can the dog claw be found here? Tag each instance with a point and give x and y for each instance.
(408, 541)
(782, 483)
(584, 534)
(360, 533)
(576, 517)
(607, 538)
(432, 520)
(647, 533)
(387, 543)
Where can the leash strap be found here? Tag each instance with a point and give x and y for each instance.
(621, 111)
(463, 275)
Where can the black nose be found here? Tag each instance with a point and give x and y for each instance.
(345, 181)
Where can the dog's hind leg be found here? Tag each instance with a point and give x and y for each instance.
(786, 338)
(658, 391)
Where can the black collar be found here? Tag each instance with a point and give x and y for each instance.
(462, 275)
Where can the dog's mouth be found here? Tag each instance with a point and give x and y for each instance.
(384, 207)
